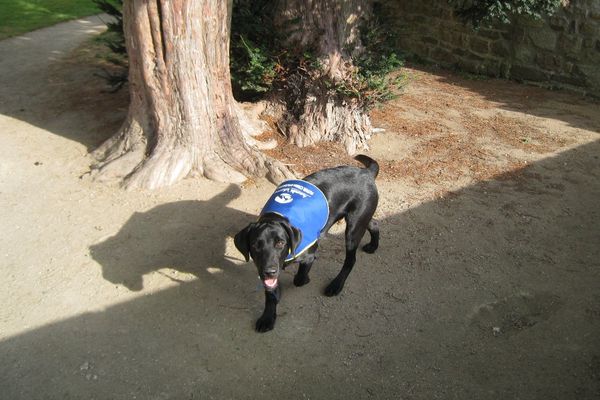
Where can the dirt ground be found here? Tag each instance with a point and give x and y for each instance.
(486, 284)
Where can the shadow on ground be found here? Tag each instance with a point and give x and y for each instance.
(185, 236)
(45, 85)
(489, 293)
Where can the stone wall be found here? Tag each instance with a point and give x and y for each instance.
(559, 51)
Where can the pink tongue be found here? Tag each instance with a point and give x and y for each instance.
(270, 282)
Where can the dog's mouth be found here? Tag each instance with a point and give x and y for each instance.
(270, 282)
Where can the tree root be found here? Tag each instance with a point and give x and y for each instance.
(162, 168)
(277, 172)
(249, 117)
(117, 168)
(325, 118)
(216, 169)
(118, 156)
(124, 158)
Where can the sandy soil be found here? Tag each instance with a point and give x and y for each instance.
(486, 285)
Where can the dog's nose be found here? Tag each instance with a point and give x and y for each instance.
(271, 271)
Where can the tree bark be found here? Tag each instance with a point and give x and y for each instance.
(315, 111)
(182, 117)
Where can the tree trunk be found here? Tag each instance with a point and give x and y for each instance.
(182, 117)
(328, 28)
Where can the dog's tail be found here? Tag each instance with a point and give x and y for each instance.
(369, 164)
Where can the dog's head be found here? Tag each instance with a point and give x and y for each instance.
(268, 243)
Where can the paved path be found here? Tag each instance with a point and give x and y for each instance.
(24, 60)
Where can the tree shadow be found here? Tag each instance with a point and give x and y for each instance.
(54, 85)
(185, 236)
(490, 292)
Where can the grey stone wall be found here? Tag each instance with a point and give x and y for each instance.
(561, 51)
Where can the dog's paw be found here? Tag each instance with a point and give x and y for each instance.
(265, 323)
(369, 248)
(334, 288)
(301, 280)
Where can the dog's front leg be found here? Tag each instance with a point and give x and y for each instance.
(267, 321)
(306, 263)
(302, 277)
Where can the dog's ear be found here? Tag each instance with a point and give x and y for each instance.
(241, 241)
(295, 236)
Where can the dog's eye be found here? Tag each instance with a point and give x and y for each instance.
(279, 244)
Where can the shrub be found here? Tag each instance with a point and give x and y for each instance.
(114, 39)
(261, 62)
(485, 12)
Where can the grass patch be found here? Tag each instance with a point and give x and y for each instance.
(21, 16)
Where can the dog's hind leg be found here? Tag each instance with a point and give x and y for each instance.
(373, 229)
(355, 230)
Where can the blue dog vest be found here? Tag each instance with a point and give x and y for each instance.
(305, 206)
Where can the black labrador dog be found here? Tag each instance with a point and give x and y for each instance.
(272, 241)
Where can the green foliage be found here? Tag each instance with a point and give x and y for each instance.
(485, 12)
(380, 58)
(372, 81)
(258, 73)
(114, 39)
(18, 17)
(254, 46)
(261, 62)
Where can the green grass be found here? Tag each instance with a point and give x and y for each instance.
(21, 16)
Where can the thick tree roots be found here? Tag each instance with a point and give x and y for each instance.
(326, 121)
(308, 113)
(249, 117)
(123, 160)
